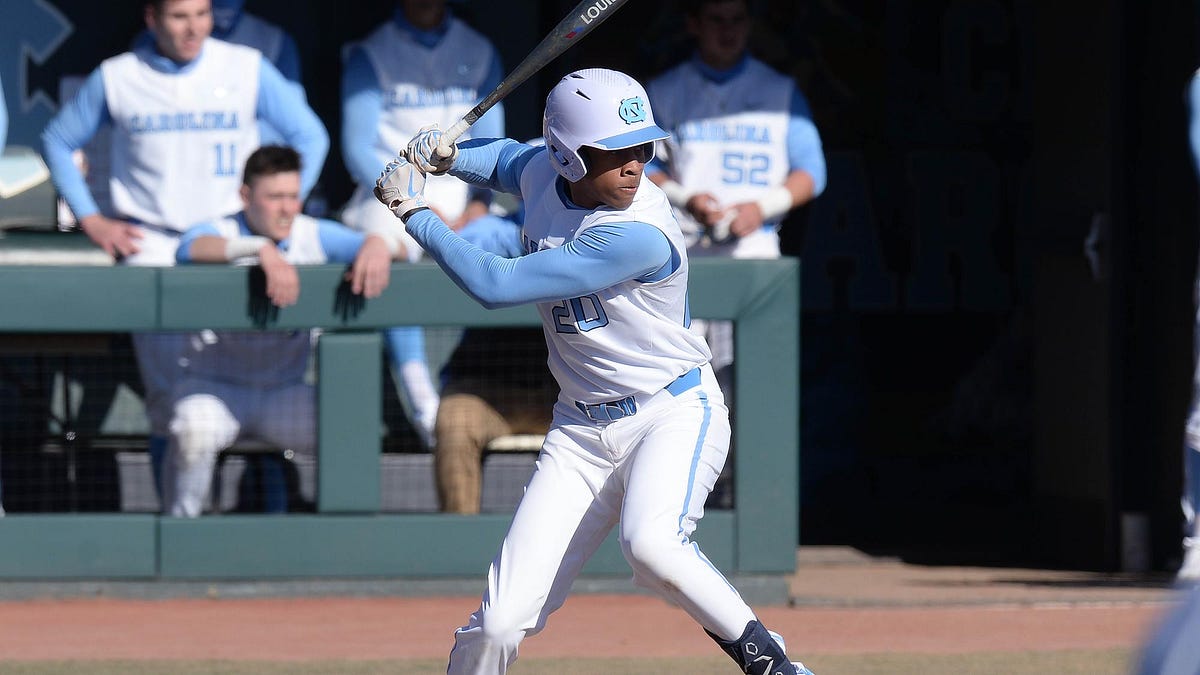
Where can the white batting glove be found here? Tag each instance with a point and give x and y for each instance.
(401, 188)
(423, 151)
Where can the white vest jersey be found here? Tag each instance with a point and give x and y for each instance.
(728, 138)
(180, 139)
(627, 339)
(421, 86)
(259, 359)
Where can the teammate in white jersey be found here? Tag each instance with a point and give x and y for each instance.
(182, 117)
(743, 152)
(251, 384)
(640, 428)
(743, 149)
(424, 65)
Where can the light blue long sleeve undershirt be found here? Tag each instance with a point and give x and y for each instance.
(604, 255)
(362, 107)
(280, 103)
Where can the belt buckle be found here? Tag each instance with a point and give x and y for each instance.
(616, 410)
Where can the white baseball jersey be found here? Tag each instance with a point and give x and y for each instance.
(161, 175)
(728, 138)
(259, 359)
(631, 338)
(421, 85)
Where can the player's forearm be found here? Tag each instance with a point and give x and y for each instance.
(74, 125)
(493, 163)
(210, 249)
(66, 175)
(471, 268)
(802, 187)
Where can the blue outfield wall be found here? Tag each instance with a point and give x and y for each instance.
(348, 537)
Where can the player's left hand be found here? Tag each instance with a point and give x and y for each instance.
(401, 187)
(372, 268)
(423, 151)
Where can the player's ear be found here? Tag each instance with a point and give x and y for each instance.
(244, 191)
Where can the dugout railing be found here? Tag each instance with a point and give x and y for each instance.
(348, 537)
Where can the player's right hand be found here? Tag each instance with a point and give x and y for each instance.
(423, 151)
(117, 237)
(401, 187)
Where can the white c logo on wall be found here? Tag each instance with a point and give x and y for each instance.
(31, 31)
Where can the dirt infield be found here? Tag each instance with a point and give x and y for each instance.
(872, 607)
(596, 625)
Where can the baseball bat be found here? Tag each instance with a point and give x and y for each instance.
(574, 26)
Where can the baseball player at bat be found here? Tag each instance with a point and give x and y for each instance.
(640, 428)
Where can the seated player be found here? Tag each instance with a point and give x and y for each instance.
(251, 384)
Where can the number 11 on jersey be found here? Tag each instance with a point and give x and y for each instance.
(225, 158)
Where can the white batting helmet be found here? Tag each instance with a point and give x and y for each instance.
(599, 108)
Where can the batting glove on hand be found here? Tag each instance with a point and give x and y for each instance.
(423, 151)
(401, 187)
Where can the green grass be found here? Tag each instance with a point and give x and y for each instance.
(1075, 662)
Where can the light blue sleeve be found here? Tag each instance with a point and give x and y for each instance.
(74, 125)
(1193, 100)
(183, 253)
(281, 103)
(340, 243)
(3, 119)
(494, 163)
(362, 105)
(602, 256)
(804, 143)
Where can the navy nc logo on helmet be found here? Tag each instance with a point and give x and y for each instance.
(632, 110)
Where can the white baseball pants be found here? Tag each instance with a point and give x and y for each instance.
(651, 473)
(210, 416)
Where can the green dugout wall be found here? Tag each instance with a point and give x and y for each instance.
(348, 537)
